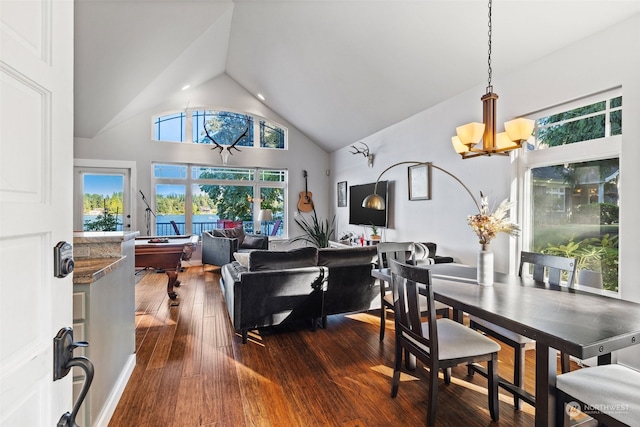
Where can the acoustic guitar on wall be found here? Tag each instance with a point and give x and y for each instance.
(305, 204)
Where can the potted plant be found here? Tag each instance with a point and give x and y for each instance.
(588, 259)
(317, 232)
(374, 232)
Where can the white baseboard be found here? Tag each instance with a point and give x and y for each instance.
(114, 397)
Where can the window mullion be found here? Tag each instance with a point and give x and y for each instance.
(188, 127)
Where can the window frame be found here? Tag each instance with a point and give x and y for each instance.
(187, 131)
(590, 150)
(189, 181)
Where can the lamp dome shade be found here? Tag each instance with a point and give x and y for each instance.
(373, 201)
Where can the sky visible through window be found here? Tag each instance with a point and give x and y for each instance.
(104, 185)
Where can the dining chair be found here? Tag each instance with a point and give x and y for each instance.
(175, 227)
(608, 393)
(276, 226)
(403, 252)
(438, 343)
(544, 268)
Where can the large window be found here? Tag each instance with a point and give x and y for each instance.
(570, 197)
(198, 198)
(210, 126)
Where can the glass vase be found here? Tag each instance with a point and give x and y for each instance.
(485, 266)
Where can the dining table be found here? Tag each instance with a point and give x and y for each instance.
(559, 319)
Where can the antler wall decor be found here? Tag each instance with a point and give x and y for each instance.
(226, 151)
(365, 152)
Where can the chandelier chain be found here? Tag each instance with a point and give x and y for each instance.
(489, 86)
(468, 136)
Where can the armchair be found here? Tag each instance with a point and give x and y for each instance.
(218, 246)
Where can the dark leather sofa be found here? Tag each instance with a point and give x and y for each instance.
(301, 284)
(350, 287)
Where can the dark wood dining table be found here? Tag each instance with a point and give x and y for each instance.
(558, 318)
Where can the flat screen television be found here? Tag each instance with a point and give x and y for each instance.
(364, 216)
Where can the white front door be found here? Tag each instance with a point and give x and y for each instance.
(36, 189)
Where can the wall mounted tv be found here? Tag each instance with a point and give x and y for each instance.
(364, 216)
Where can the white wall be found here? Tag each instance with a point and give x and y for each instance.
(606, 60)
(131, 140)
(443, 219)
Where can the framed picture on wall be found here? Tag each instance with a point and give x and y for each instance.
(419, 182)
(342, 194)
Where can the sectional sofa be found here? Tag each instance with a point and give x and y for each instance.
(272, 287)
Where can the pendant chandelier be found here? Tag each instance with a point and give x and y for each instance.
(468, 136)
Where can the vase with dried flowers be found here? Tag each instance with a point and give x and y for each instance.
(486, 226)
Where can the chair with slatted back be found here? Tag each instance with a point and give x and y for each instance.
(544, 268)
(403, 252)
(438, 343)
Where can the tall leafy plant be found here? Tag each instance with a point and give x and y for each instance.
(316, 232)
(598, 254)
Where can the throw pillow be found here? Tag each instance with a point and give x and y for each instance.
(242, 258)
(231, 233)
(253, 242)
(424, 250)
(216, 232)
(238, 233)
(282, 260)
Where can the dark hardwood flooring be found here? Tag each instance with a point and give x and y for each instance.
(193, 370)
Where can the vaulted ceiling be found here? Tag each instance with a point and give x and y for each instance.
(337, 70)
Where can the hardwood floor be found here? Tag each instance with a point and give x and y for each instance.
(192, 370)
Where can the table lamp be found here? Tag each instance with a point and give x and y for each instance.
(263, 215)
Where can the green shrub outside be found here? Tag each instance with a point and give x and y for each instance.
(595, 249)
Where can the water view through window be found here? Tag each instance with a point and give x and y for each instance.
(191, 199)
(103, 202)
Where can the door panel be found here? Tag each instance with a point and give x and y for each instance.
(36, 164)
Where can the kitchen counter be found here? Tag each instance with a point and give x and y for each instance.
(89, 270)
(101, 244)
(103, 236)
(104, 315)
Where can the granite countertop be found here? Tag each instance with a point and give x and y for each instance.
(89, 270)
(103, 236)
